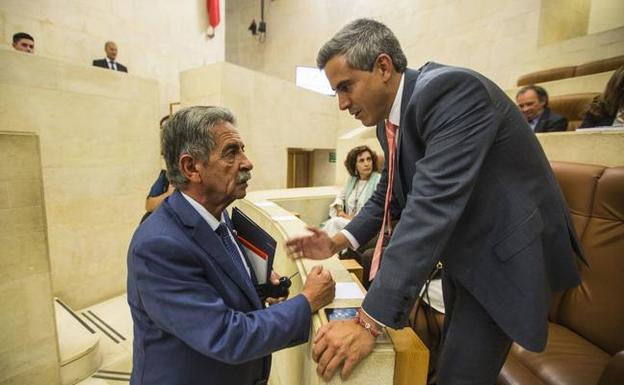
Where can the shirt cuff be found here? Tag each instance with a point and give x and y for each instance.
(354, 243)
(373, 318)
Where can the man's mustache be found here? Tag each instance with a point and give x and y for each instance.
(243, 176)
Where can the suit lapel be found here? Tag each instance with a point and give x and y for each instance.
(209, 241)
(542, 121)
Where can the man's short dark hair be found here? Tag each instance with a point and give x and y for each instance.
(362, 41)
(21, 35)
(542, 95)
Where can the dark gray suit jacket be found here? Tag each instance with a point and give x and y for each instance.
(550, 121)
(104, 64)
(474, 189)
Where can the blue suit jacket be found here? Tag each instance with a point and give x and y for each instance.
(474, 189)
(196, 320)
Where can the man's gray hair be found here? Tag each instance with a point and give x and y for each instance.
(189, 131)
(362, 41)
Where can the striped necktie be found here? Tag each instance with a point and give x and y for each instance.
(391, 131)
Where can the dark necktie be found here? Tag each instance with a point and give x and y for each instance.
(232, 250)
(391, 130)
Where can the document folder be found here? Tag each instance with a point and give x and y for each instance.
(258, 244)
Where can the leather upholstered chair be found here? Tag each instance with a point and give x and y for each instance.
(586, 332)
(572, 107)
(586, 323)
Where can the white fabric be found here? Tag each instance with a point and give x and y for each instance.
(435, 298)
(395, 111)
(111, 64)
(352, 241)
(619, 118)
(335, 225)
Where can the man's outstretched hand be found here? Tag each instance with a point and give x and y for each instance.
(317, 245)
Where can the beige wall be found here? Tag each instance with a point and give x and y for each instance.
(99, 152)
(595, 146)
(156, 38)
(605, 15)
(496, 37)
(324, 170)
(272, 115)
(28, 347)
(563, 19)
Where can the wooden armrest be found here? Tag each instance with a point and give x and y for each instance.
(354, 267)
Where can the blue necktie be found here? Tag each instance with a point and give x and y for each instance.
(232, 250)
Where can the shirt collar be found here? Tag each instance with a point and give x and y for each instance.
(395, 111)
(201, 210)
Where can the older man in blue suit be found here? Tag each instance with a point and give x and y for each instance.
(197, 317)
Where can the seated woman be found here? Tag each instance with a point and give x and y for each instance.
(608, 109)
(361, 163)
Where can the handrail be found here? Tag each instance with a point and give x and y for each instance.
(399, 358)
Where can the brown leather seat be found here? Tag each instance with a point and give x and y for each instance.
(593, 67)
(586, 334)
(586, 329)
(572, 107)
(546, 75)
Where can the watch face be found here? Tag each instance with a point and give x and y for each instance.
(341, 314)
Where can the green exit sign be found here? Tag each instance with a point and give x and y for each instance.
(332, 157)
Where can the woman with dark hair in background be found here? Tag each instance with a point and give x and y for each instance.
(608, 109)
(361, 163)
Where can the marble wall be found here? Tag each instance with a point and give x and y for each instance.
(149, 34)
(593, 146)
(99, 154)
(272, 115)
(498, 38)
(28, 346)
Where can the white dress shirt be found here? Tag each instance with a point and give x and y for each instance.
(395, 118)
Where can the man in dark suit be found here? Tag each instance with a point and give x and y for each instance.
(533, 102)
(197, 316)
(109, 61)
(471, 188)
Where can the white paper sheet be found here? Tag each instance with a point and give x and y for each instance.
(348, 290)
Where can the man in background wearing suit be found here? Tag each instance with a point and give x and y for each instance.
(109, 61)
(197, 316)
(470, 187)
(533, 102)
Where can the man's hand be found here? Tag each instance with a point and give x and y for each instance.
(275, 281)
(340, 342)
(317, 245)
(344, 215)
(319, 288)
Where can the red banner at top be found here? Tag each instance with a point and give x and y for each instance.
(213, 12)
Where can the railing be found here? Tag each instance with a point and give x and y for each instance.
(399, 357)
